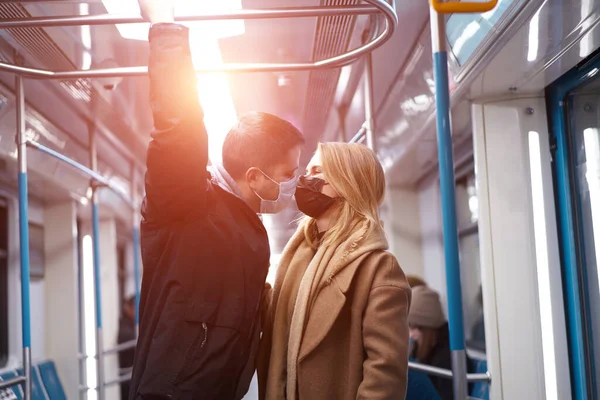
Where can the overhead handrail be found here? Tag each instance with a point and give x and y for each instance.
(377, 6)
(463, 7)
(111, 19)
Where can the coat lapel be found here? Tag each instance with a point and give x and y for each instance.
(327, 307)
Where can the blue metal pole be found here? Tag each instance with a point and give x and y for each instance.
(24, 235)
(369, 103)
(98, 295)
(136, 248)
(136, 273)
(97, 271)
(447, 186)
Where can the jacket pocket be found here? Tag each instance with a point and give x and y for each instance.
(199, 338)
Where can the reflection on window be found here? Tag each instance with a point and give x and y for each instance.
(470, 271)
(36, 250)
(417, 104)
(466, 31)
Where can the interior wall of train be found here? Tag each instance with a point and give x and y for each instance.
(525, 119)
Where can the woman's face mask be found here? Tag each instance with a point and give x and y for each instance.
(286, 193)
(309, 198)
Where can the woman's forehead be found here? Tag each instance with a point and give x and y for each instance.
(315, 161)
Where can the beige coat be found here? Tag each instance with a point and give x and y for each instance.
(354, 344)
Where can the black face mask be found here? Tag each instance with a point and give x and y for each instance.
(309, 198)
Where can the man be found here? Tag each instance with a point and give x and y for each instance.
(205, 250)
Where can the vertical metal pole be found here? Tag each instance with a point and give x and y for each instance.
(24, 234)
(97, 270)
(369, 103)
(447, 185)
(136, 248)
(80, 317)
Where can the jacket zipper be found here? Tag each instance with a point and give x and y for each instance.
(205, 327)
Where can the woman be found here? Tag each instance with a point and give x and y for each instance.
(430, 336)
(337, 322)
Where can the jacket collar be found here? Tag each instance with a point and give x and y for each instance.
(222, 178)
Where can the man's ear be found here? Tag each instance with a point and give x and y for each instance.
(252, 176)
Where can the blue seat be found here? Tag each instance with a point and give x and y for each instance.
(420, 386)
(45, 384)
(14, 392)
(51, 381)
(38, 391)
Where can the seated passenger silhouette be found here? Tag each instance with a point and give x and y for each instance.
(126, 334)
(430, 336)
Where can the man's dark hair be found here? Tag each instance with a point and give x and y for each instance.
(258, 140)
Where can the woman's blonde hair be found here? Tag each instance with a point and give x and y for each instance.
(356, 174)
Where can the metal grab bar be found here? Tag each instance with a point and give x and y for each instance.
(121, 347)
(120, 379)
(111, 19)
(360, 135)
(336, 61)
(117, 349)
(12, 382)
(446, 373)
(83, 170)
(463, 7)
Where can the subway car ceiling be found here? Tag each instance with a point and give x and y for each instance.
(327, 105)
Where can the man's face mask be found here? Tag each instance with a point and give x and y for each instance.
(309, 198)
(286, 193)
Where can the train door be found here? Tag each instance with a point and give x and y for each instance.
(574, 106)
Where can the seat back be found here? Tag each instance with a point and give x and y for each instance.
(51, 381)
(11, 393)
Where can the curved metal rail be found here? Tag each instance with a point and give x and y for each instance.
(377, 7)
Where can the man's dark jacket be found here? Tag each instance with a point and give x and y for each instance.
(205, 252)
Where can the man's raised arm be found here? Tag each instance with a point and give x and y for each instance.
(176, 176)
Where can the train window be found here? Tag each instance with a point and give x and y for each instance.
(3, 282)
(465, 32)
(584, 142)
(36, 250)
